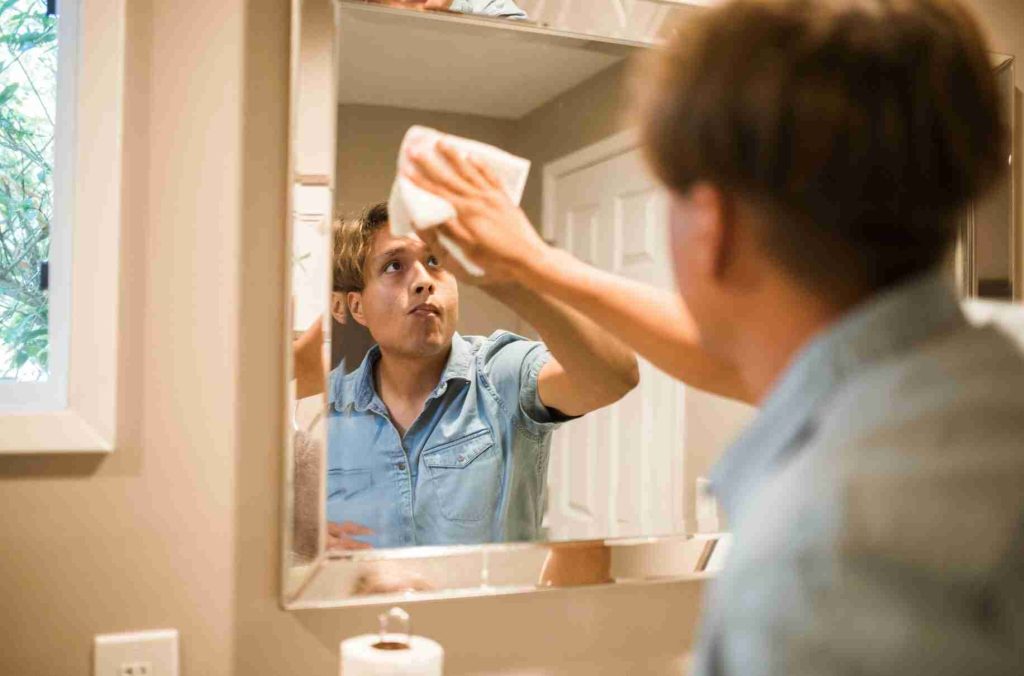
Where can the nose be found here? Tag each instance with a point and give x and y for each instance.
(423, 281)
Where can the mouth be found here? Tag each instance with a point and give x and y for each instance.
(426, 310)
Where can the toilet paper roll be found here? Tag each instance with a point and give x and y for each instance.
(362, 656)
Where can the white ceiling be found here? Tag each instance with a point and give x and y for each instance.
(402, 59)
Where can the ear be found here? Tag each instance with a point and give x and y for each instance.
(355, 306)
(339, 307)
(713, 229)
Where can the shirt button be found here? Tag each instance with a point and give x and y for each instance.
(401, 466)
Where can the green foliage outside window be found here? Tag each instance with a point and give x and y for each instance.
(28, 81)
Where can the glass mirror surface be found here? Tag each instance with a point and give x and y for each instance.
(478, 484)
(479, 457)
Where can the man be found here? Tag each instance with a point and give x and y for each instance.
(817, 154)
(438, 438)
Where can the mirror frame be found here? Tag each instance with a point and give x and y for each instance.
(631, 560)
(964, 253)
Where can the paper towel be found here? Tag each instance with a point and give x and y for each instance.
(359, 657)
(411, 208)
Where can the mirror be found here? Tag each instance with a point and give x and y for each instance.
(480, 486)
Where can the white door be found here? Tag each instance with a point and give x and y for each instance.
(619, 471)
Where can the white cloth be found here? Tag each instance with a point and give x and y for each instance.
(412, 208)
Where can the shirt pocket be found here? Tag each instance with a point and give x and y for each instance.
(466, 473)
(345, 484)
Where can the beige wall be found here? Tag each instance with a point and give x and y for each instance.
(365, 176)
(179, 527)
(147, 537)
(589, 112)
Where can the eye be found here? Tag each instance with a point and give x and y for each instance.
(433, 262)
(392, 266)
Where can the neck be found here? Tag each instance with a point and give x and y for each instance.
(404, 378)
(776, 332)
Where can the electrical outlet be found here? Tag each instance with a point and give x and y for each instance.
(135, 669)
(143, 653)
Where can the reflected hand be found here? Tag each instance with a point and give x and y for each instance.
(494, 232)
(341, 536)
(390, 580)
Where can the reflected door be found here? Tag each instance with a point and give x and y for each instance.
(619, 471)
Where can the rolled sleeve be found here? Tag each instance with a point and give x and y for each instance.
(530, 403)
(513, 365)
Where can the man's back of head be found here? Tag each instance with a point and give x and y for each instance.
(858, 128)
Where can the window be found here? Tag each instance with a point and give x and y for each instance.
(34, 69)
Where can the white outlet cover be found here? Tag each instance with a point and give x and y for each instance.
(140, 653)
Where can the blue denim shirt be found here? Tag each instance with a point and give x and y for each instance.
(471, 468)
(505, 9)
(877, 503)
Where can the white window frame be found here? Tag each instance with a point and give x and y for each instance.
(75, 410)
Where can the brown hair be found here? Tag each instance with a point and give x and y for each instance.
(353, 239)
(859, 128)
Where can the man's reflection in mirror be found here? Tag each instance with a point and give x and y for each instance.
(502, 9)
(438, 438)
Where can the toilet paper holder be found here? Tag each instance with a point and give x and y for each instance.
(390, 639)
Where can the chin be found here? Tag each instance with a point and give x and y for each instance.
(430, 345)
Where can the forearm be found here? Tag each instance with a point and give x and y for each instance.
(651, 321)
(308, 365)
(599, 369)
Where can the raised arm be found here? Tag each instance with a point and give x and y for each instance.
(652, 321)
(589, 368)
(497, 236)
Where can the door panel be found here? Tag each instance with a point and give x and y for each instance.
(618, 471)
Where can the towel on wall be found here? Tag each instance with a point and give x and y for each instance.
(308, 453)
(412, 208)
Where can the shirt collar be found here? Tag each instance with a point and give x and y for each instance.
(888, 324)
(357, 388)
